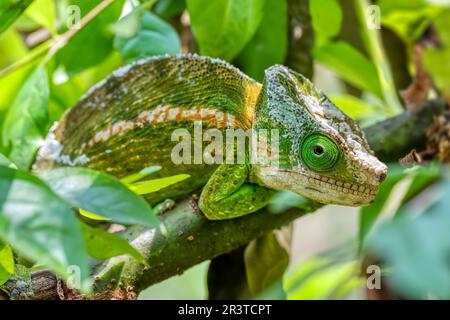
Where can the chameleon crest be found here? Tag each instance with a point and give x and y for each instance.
(324, 155)
(125, 123)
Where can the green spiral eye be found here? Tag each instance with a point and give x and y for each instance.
(319, 153)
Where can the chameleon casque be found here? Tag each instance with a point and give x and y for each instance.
(124, 124)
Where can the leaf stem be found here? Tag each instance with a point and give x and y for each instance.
(374, 46)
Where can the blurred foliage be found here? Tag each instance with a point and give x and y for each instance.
(152, 36)
(93, 43)
(321, 278)
(191, 285)
(103, 245)
(43, 13)
(414, 246)
(222, 28)
(46, 65)
(10, 11)
(436, 60)
(26, 122)
(99, 193)
(39, 224)
(269, 44)
(265, 262)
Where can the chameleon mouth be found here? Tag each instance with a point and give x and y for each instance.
(318, 183)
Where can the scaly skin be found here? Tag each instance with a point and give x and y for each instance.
(125, 124)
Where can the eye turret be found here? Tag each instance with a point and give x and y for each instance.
(319, 152)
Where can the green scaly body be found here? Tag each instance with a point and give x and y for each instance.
(125, 124)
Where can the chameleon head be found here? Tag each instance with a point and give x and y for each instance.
(322, 153)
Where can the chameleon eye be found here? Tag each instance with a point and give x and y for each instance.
(319, 152)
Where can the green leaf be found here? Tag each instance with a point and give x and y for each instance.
(43, 13)
(154, 185)
(94, 42)
(350, 65)
(13, 81)
(26, 122)
(358, 109)
(265, 262)
(40, 225)
(269, 44)
(408, 18)
(370, 213)
(101, 194)
(169, 8)
(103, 245)
(6, 263)
(153, 36)
(140, 175)
(10, 10)
(12, 48)
(422, 177)
(284, 200)
(275, 292)
(326, 16)
(320, 278)
(226, 277)
(415, 247)
(223, 27)
(436, 60)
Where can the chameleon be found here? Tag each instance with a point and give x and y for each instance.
(125, 123)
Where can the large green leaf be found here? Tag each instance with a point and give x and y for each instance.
(269, 44)
(10, 10)
(104, 245)
(26, 122)
(94, 42)
(149, 186)
(326, 16)
(415, 247)
(322, 278)
(101, 194)
(153, 36)
(265, 262)
(40, 225)
(358, 109)
(6, 263)
(369, 214)
(223, 27)
(140, 175)
(43, 12)
(350, 65)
